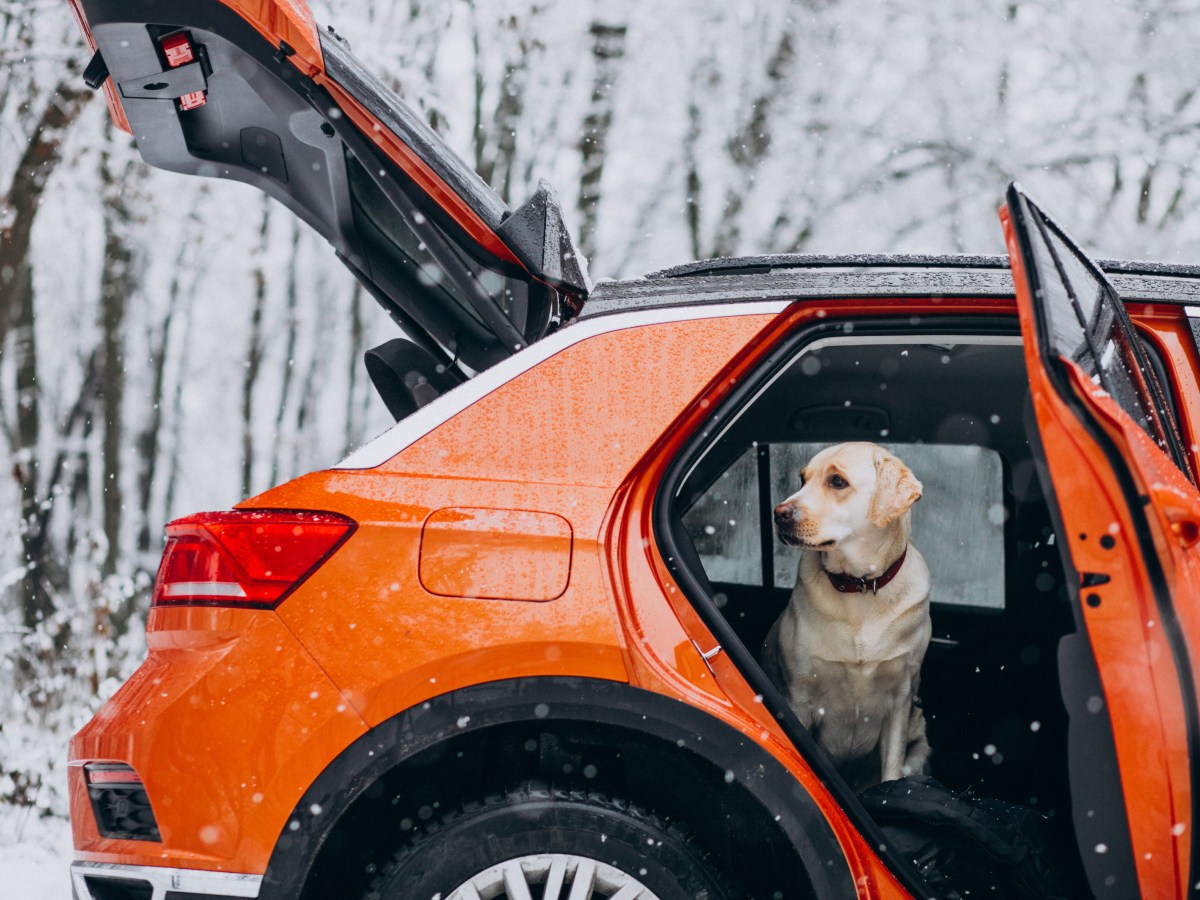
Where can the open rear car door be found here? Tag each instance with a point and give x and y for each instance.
(1128, 520)
(252, 90)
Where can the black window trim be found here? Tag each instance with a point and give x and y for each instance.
(1164, 418)
(666, 527)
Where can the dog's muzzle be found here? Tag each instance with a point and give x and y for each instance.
(785, 524)
(788, 525)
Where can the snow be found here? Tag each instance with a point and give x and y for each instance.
(35, 855)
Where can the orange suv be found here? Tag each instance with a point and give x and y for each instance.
(507, 649)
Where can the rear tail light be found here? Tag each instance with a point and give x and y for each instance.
(178, 51)
(119, 802)
(245, 558)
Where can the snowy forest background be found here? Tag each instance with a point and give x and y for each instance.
(169, 345)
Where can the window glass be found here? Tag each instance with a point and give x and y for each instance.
(958, 525)
(419, 265)
(724, 524)
(1088, 327)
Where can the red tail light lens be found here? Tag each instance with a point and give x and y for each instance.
(246, 558)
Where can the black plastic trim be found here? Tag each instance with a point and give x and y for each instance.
(548, 699)
(441, 249)
(838, 283)
(693, 588)
(96, 72)
(771, 262)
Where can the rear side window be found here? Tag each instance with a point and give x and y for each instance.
(411, 259)
(958, 525)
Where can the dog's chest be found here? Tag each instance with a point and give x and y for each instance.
(861, 681)
(863, 644)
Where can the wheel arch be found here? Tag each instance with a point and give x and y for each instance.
(476, 738)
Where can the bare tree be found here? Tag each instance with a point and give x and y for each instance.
(608, 46)
(254, 351)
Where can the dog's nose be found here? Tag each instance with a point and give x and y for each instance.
(785, 514)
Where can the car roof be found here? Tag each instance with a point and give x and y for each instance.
(785, 277)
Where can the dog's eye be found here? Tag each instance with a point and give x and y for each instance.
(838, 483)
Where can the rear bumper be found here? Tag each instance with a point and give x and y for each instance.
(87, 878)
(227, 722)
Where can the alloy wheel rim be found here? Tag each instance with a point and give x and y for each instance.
(552, 876)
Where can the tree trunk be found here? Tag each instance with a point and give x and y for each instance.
(18, 209)
(149, 442)
(354, 416)
(748, 147)
(254, 353)
(37, 604)
(289, 359)
(19, 205)
(608, 46)
(117, 281)
(693, 187)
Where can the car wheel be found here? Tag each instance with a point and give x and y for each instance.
(550, 845)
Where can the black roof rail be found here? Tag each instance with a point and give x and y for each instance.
(744, 265)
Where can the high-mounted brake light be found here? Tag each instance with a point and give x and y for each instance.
(178, 50)
(246, 558)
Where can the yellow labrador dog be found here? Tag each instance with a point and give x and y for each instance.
(847, 650)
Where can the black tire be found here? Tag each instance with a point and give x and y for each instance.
(533, 822)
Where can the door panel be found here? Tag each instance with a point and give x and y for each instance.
(1127, 515)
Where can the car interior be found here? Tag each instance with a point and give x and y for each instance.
(951, 403)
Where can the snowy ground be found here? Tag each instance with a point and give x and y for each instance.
(35, 854)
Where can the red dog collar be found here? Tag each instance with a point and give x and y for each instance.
(849, 584)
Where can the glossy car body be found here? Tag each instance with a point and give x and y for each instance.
(520, 598)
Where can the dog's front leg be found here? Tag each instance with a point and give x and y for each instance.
(894, 739)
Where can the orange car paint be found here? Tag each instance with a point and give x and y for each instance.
(110, 92)
(1141, 688)
(367, 619)
(222, 792)
(495, 554)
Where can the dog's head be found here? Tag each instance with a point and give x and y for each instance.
(847, 490)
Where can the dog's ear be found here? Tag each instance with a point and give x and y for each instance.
(896, 489)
